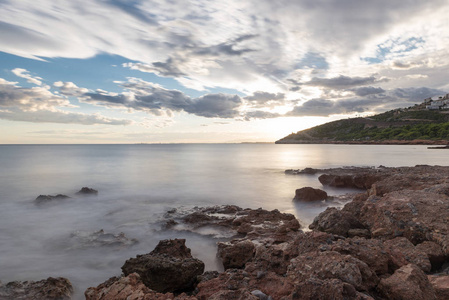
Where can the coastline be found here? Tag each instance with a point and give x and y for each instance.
(391, 241)
(386, 142)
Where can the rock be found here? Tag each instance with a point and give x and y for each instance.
(441, 286)
(318, 289)
(335, 221)
(359, 181)
(407, 282)
(310, 194)
(332, 265)
(168, 268)
(229, 221)
(208, 275)
(86, 239)
(417, 215)
(87, 191)
(434, 253)
(236, 254)
(240, 294)
(42, 199)
(130, 287)
(51, 288)
(370, 251)
(260, 295)
(403, 252)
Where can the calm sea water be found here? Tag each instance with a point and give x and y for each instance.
(138, 183)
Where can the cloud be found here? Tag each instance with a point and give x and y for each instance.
(369, 90)
(154, 99)
(39, 105)
(342, 82)
(372, 102)
(23, 73)
(167, 68)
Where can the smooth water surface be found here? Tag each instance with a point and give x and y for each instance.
(138, 183)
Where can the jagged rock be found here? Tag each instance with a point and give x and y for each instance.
(335, 221)
(42, 199)
(310, 194)
(49, 289)
(370, 251)
(332, 265)
(434, 253)
(232, 221)
(130, 287)
(87, 191)
(236, 254)
(407, 282)
(318, 289)
(359, 181)
(168, 268)
(403, 252)
(441, 286)
(417, 215)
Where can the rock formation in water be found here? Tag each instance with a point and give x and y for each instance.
(48, 289)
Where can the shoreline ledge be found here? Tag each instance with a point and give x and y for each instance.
(390, 242)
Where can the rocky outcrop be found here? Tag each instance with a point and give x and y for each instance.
(236, 254)
(43, 199)
(441, 286)
(49, 289)
(170, 267)
(87, 191)
(336, 221)
(128, 287)
(310, 194)
(408, 282)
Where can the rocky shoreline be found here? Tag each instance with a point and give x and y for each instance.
(366, 142)
(390, 242)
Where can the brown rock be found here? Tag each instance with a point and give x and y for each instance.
(236, 254)
(49, 289)
(335, 221)
(330, 265)
(310, 194)
(434, 253)
(417, 215)
(130, 287)
(403, 252)
(408, 282)
(317, 289)
(441, 286)
(168, 268)
(370, 251)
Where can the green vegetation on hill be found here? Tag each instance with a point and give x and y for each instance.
(400, 124)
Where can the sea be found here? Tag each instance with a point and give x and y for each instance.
(137, 184)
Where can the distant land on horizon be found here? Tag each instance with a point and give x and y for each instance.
(425, 123)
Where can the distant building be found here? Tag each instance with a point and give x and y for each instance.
(440, 104)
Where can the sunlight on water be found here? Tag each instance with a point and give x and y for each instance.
(138, 183)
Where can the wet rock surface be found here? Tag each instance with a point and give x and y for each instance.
(390, 242)
(310, 194)
(43, 199)
(49, 289)
(87, 191)
(100, 238)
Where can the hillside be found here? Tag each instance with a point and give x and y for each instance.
(399, 125)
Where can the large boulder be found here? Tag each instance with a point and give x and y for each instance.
(408, 282)
(310, 194)
(130, 287)
(168, 268)
(417, 215)
(403, 252)
(49, 289)
(370, 251)
(330, 265)
(236, 254)
(335, 221)
(441, 286)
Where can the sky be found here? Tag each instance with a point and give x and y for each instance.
(151, 71)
